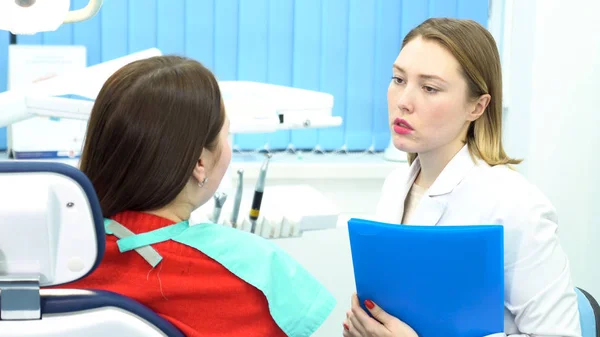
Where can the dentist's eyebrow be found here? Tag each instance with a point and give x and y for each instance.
(396, 67)
(422, 76)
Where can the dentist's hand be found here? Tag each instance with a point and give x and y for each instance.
(359, 324)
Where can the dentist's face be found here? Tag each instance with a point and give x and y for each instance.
(427, 99)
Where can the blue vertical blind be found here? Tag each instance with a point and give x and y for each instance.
(342, 47)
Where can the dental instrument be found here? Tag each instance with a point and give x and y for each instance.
(238, 198)
(220, 199)
(258, 193)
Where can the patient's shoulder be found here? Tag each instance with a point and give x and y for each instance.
(235, 249)
(213, 236)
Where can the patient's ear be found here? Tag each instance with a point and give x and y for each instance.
(200, 171)
(478, 107)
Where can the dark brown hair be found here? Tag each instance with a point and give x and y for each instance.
(148, 127)
(475, 49)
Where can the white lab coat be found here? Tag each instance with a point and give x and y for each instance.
(539, 294)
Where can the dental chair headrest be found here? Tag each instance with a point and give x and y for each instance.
(51, 224)
(51, 233)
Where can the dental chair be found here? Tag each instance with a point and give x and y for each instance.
(52, 233)
(589, 314)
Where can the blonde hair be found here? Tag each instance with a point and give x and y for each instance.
(475, 50)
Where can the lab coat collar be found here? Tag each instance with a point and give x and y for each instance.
(450, 177)
(454, 172)
(433, 204)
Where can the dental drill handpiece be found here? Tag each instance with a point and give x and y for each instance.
(258, 193)
(238, 198)
(219, 201)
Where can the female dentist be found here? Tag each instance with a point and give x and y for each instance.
(445, 110)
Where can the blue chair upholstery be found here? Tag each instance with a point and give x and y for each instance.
(589, 312)
(59, 312)
(55, 302)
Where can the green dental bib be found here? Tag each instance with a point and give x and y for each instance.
(298, 303)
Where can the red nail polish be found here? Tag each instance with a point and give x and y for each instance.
(346, 326)
(369, 304)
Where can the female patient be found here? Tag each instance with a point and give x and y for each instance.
(156, 149)
(445, 110)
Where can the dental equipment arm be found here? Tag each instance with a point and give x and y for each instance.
(255, 107)
(39, 99)
(252, 107)
(85, 13)
(27, 17)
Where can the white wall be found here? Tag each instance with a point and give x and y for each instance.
(554, 74)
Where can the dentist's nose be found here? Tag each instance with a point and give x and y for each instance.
(405, 100)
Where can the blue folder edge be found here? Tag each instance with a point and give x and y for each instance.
(441, 280)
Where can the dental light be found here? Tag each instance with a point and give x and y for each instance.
(27, 17)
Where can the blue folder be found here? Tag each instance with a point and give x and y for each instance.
(445, 281)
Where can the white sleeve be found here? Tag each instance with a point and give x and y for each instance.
(388, 206)
(384, 201)
(538, 288)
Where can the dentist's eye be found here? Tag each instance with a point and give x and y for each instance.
(397, 80)
(430, 90)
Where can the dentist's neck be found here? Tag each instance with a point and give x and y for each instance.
(434, 162)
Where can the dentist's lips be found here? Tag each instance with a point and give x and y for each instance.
(402, 127)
